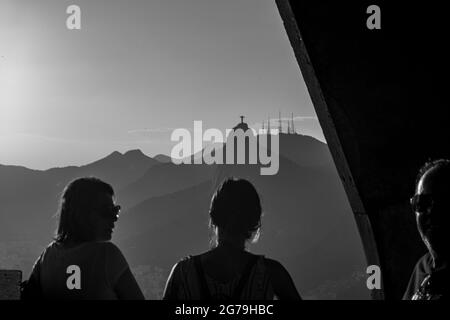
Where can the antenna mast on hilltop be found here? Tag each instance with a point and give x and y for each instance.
(289, 126)
(293, 126)
(280, 128)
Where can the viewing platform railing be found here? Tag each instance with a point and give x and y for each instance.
(10, 281)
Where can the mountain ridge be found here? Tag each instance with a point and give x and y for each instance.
(165, 208)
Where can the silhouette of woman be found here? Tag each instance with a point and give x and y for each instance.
(228, 271)
(81, 262)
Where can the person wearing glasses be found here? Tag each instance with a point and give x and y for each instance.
(81, 262)
(431, 204)
(228, 271)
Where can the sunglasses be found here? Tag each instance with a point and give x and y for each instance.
(421, 203)
(113, 211)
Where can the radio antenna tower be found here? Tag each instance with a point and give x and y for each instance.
(280, 127)
(293, 125)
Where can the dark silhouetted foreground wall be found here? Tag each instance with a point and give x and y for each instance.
(382, 100)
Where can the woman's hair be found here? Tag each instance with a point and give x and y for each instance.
(78, 199)
(236, 208)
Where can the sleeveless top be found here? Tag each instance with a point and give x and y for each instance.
(188, 281)
(98, 265)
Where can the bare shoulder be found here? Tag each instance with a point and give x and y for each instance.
(181, 265)
(282, 282)
(177, 271)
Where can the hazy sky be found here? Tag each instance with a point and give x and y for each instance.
(136, 71)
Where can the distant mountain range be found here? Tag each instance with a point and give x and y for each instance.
(307, 224)
(29, 198)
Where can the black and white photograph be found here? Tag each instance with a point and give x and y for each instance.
(212, 151)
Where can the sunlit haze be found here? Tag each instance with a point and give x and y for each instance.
(137, 70)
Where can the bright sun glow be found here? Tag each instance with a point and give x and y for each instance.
(13, 79)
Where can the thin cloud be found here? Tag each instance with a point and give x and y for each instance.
(274, 121)
(150, 130)
(303, 118)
